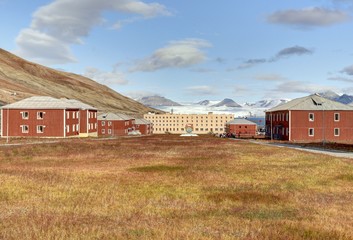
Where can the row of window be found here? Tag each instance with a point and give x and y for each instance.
(25, 128)
(311, 116)
(182, 129)
(336, 132)
(40, 115)
(187, 117)
(173, 125)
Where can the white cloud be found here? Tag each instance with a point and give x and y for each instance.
(106, 78)
(66, 22)
(309, 17)
(201, 90)
(177, 54)
(348, 70)
(141, 94)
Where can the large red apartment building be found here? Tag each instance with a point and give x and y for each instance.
(310, 119)
(241, 127)
(43, 116)
(115, 124)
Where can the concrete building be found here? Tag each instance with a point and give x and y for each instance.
(242, 128)
(143, 126)
(310, 119)
(200, 123)
(115, 124)
(43, 116)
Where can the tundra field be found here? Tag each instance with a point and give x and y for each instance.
(168, 187)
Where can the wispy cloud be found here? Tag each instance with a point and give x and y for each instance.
(270, 77)
(201, 90)
(309, 17)
(284, 53)
(106, 78)
(301, 87)
(341, 79)
(177, 54)
(348, 70)
(58, 25)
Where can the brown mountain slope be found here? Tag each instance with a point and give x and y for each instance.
(20, 79)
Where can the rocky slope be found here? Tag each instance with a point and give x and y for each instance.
(20, 79)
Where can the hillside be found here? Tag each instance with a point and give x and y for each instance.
(157, 101)
(20, 79)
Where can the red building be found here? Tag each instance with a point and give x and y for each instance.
(241, 127)
(144, 126)
(43, 116)
(115, 124)
(310, 119)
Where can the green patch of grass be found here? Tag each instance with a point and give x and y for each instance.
(158, 168)
(282, 213)
(246, 197)
(345, 177)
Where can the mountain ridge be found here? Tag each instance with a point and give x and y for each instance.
(21, 79)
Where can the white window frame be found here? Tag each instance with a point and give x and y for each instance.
(39, 127)
(313, 130)
(313, 117)
(109, 131)
(67, 128)
(67, 115)
(103, 131)
(339, 117)
(24, 128)
(109, 123)
(40, 113)
(25, 115)
(338, 132)
(103, 123)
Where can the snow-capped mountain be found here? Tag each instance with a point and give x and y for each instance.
(153, 101)
(268, 103)
(204, 103)
(344, 98)
(227, 102)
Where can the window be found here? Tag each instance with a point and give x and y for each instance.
(77, 127)
(103, 131)
(311, 117)
(67, 128)
(25, 115)
(337, 132)
(109, 131)
(337, 117)
(287, 117)
(73, 115)
(109, 123)
(67, 115)
(287, 131)
(40, 115)
(311, 132)
(77, 114)
(25, 128)
(73, 128)
(103, 123)
(40, 129)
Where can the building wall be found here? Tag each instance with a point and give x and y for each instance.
(52, 122)
(72, 122)
(175, 123)
(279, 128)
(242, 130)
(319, 126)
(115, 127)
(323, 126)
(145, 129)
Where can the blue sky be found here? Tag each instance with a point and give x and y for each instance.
(189, 51)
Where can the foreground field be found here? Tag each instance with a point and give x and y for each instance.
(168, 187)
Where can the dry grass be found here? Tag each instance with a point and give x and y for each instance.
(168, 187)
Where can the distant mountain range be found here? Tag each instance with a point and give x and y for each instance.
(157, 101)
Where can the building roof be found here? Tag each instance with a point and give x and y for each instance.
(142, 121)
(114, 117)
(240, 121)
(79, 104)
(46, 102)
(311, 102)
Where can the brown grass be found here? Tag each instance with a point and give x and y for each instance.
(168, 187)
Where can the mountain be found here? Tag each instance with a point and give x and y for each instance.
(226, 103)
(204, 102)
(157, 101)
(270, 103)
(20, 79)
(345, 98)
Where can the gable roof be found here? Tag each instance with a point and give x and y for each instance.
(142, 121)
(311, 102)
(46, 102)
(114, 117)
(240, 121)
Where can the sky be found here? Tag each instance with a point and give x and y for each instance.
(190, 51)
